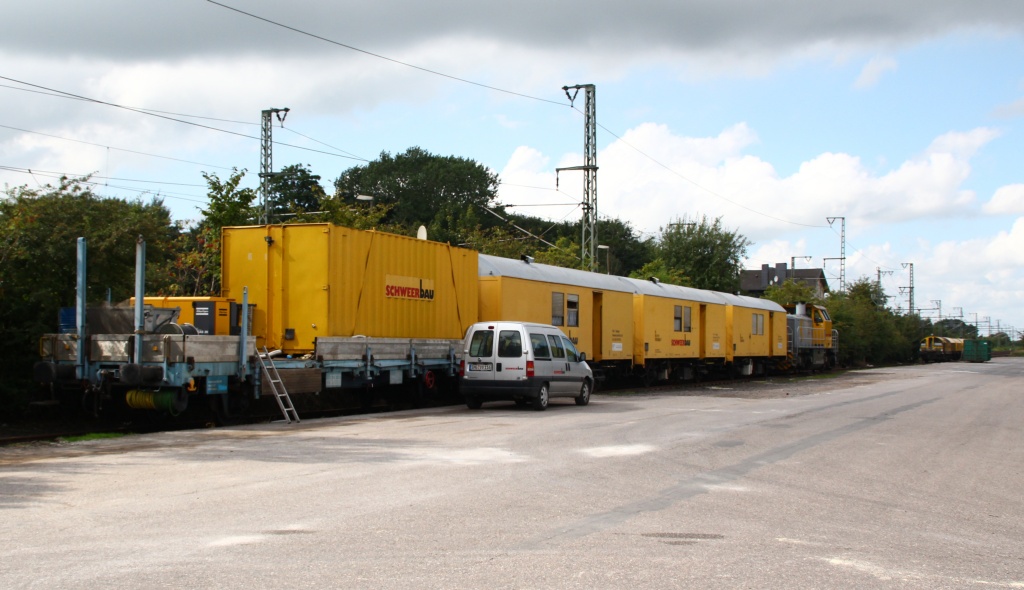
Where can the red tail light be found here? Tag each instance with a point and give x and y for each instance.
(462, 368)
(529, 369)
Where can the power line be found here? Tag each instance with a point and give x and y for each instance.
(113, 148)
(169, 118)
(84, 179)
(385, 58)
(72, 174)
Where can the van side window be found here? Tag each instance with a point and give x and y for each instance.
(482, 343)
(556, 347)
(540, 346)
(510, 344)
(570, 351)
(573, 311)
(558, 309)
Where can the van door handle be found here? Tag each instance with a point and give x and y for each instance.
(499, 366)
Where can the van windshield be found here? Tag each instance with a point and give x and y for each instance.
(482, 343)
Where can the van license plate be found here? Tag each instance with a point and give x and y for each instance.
(479, 366)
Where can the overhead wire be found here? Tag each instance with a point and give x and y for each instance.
(159, 115)
(383, 57)
(86, 179)
(113, 148)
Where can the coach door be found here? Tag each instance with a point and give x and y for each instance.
(703, 330)
(597, 340)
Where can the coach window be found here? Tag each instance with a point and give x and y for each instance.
(557, 309)
(677, 318)
(686, 319)
(572, 315)
(757, 325)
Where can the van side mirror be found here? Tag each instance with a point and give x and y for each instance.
(583, 357)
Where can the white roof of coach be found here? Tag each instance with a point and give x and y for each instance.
(672, 291)
(752, 302)
(534, 271)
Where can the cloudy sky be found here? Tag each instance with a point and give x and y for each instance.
(905, 118)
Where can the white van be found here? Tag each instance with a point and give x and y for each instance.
(527, 363)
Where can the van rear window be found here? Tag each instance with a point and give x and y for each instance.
(482, 343)
(510, 344)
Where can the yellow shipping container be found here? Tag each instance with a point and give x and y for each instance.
(593, 310)
(318, 280)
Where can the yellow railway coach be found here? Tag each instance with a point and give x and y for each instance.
(676, 324)
(595, 311)
(307, 281)
(757, 332)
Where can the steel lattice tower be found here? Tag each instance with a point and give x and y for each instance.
(842, 252)
(910, 289)
(588, 241)
(267, 155)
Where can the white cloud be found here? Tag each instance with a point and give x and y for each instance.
(714, 176)
(873, 70)
(1008, 200)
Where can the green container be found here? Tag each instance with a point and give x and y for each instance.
(977, 351)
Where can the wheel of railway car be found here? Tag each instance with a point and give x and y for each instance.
(540, 403)
(584, 397)
(473, 403)
(650, 376)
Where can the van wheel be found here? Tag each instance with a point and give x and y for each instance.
(584, 397)
(473, 403)
(540, 403)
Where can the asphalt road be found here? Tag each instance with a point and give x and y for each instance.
(895, 478)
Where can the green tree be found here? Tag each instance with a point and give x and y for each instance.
(659, 270)
(626, 251)
(38, 232)
(294, 190)
(426, 189)
(703, 251)
(791, 292)
(228, 204)
(870, 333)
(565, 253)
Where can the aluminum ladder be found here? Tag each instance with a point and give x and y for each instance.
(277, 388)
